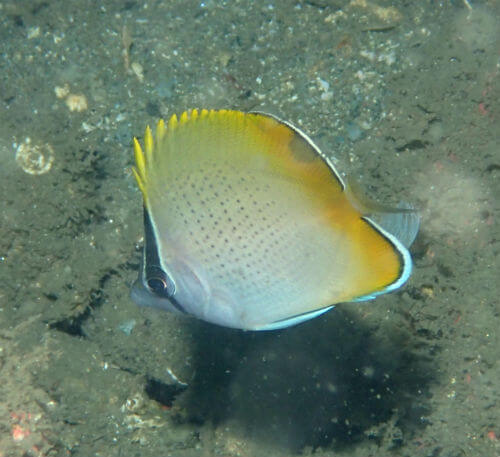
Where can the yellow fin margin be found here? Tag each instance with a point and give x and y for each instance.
(146, 156)
(139, 169)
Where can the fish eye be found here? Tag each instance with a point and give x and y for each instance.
(157, 285)
(158, 282)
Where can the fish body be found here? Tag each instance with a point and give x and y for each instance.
(248, 225)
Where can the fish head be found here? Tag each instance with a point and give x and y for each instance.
(173, 280)
(167, 278)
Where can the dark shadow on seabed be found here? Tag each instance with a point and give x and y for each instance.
(326, 382)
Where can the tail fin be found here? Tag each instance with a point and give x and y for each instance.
(403, 222)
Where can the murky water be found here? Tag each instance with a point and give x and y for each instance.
(401, 95)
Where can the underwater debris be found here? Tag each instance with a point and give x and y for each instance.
(34, 159)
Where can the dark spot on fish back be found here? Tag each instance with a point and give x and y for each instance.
(301, 150)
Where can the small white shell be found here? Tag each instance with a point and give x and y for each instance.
(34, 159)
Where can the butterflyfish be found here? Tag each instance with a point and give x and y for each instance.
(249, 225)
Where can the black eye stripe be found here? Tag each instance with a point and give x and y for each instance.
(155, 278)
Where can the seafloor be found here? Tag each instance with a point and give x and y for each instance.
(404, 96)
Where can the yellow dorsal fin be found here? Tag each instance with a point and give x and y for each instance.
(249, 139)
